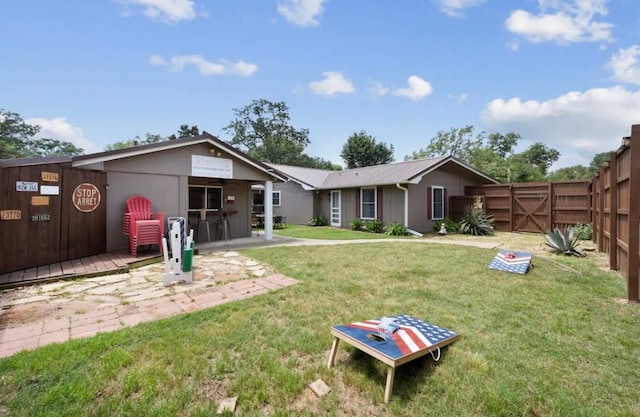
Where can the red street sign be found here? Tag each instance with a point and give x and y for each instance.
(86, 197)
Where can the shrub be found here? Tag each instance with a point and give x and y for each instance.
(318, 220)
(476, 222)
(565, 242)
(356, 224)
(584, 231)
(396, 229)
(448, 223)
(373, 226)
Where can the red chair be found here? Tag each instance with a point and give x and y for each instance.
(143, 226)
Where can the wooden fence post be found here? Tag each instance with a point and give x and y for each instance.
(601, 209)
(634, 215)
(594, 207)
(613, 211)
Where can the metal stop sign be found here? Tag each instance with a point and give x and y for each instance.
(86, 197)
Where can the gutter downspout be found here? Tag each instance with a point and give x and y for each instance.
(406, 210)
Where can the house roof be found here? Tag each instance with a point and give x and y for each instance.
(84, 160)
(308, 178)
(23, 162)
(386, 174)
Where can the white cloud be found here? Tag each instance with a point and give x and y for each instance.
(303, 13)
(378, 89)
(456, 8)
(333, 83)
(62, 130)
(562, 21)
(416, 89)
(578, 124)
(177, 63)
(169, 11)
(625, 66)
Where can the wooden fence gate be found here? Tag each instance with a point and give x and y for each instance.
(530, 207)
(49, 214)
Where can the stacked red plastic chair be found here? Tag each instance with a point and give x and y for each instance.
(143, 226)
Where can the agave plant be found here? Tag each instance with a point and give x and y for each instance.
(476, 222)
(564, 242)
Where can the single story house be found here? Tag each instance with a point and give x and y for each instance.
(413, 193)
(186, 177)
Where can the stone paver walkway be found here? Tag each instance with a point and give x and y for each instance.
(38, 315)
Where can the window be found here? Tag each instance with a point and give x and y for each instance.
(368, 203)
(437, 203)
(201, 197)
(276, 198)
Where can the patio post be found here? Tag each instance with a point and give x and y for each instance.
(268, 210)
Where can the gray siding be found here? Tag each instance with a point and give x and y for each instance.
(296, 202)
(453, 182)
(392, 205)
(164, 178)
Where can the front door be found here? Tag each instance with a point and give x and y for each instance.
(335, 208)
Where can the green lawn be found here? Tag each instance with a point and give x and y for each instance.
(329, 233)
(550, 343)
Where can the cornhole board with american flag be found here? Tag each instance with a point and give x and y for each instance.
(413, 338)
(512, 261)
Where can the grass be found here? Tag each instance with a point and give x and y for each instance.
(328, 233)
(549, 343)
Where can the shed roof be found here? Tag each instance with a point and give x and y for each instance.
(84, 160)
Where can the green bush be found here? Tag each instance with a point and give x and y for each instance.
(396, 229)
(448, 223)
(318, 220)
(373, 226)
(583, 231)
(356, 224)
(476, 222)
(564, 242)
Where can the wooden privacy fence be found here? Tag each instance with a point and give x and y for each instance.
(530, 207)
(616, 211)
(49, 214)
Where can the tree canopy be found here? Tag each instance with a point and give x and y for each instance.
(16, 140)
(136, 141)
(493, 154)
(262, 130)
(361, 150)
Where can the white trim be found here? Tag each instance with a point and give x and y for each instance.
(339, 222)
(268, 211)
(279, 198)
(375, 203)
(170, 144)
(406, 203)
(418, 178)
(433, 189)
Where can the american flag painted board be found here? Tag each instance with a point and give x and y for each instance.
(512, 261)
(413, 335)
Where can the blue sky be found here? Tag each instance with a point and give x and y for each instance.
(562, 72)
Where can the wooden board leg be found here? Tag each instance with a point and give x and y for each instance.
(391, 373)
(334, 350)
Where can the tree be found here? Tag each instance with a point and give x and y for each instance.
(16, 140)
(262, 130)
(361, 150)
(52, 147)
(186, 131)
(315, 162)
(598, 160)
(123, 144)
(575, 172)
(493, 155)
(457, 142)
(541, 156)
